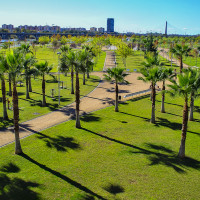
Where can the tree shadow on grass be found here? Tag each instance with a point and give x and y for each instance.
(5, 123)
(168, 124)
(59, 143)
(16, 188)
(114, 189)
(90, 118)
(154, 155)
(10, 168)
(61, 176)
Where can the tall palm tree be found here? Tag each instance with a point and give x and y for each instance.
(165, 74)
(79, 65)
(3, 69)
(71, 57)
(183, 87)
(14, 60)
(180, 51)
(152, 75)
(118, 75)
(28, 61)
(43, 69)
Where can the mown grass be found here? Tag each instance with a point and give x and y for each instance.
(134, 62)
(31, 108)
(100, 62)
(114, 156)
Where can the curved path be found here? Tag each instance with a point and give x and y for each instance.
(103, 96)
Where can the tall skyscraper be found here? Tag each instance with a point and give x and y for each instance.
(110, 25)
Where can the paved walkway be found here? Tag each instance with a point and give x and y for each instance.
(110, 60)
(103, 96)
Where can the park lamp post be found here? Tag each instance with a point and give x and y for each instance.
(58, 53)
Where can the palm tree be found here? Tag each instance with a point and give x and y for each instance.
(165, 74)
(180, 51)
(65, 48)
(87, 62)
(3, 69)
(118, 75)
(25, 49)
(28, 61)
(153, 75)
(183, 87)
(195, 82)
(71, 62)
(43, 69)
(14, 60)
(79, 65)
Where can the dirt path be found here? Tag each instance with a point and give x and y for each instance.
(103, 96)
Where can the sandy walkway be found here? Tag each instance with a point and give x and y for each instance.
(99, 98)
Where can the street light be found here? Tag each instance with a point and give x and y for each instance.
(58, 53)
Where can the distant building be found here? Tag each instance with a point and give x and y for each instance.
(93, 29)
(101, 30)
(110, 25)
(10, 27)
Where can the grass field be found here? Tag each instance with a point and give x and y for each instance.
(32, 108)
(114, 156)
(100, 63)
(134, 61)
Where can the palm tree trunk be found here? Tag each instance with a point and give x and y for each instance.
(78, 124)
(30, 86)
(116, 97)
(153, 103)
(163, 98)
(72, 81)
(191, 118)
(10, 86)
(3, 89)
(27, 88)
(18, 149)
(181, 64)
(88, 74)
(181, 153)
(83, 78)
(43, 91)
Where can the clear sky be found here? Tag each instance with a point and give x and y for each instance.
(130, 15)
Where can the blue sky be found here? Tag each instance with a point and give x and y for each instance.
(130, 15)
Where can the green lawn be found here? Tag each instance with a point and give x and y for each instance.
(114, 153)
(32, 108)
(192, 61)
(134, 61)
(100, 63)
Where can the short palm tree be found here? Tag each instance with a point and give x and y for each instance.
(65, 48)
(43, 69)
(180, 51)
(14, 60)
(28, 61)
(165, 74)
(195, 82)
(152, 75)
(118, 75)
(183, 87)
(3, 70)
